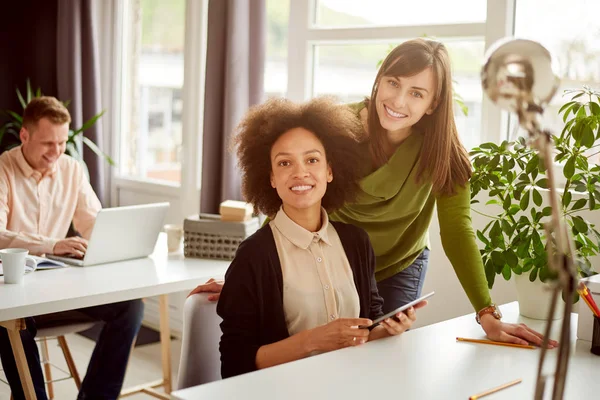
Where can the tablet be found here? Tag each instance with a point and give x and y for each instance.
(392, 314)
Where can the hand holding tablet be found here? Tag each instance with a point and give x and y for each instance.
(392, 314)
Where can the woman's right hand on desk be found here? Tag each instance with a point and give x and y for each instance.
(342, 332)
(75, 246)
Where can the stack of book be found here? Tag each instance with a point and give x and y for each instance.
(235, 211)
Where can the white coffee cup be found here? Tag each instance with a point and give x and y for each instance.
(174, 236)
(13, 264)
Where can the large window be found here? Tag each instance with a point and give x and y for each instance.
(571, 32)
(276, 74)
(356, 13)
(338, 46)
(151, 123)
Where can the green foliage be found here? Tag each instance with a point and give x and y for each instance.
(514, 177)
(13, 126)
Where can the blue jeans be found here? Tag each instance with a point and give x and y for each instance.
(106, 370)
(406, 285)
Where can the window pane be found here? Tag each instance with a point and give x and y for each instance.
(348, 72)
(347, 13)
(152, 131)
(278, 12)
(572, 35)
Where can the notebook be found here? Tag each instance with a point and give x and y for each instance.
(39, 263)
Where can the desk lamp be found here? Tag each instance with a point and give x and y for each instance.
(518, 76)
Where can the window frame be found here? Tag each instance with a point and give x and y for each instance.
(187, 191)
(303, 36)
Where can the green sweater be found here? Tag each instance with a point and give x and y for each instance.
(396, 212)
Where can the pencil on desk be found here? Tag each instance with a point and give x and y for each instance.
(521, 346)
(496, 389)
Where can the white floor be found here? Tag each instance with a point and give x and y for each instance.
(144, 366)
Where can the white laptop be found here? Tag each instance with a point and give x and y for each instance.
(122, 233)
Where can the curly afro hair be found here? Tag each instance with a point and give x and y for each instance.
(336, 126)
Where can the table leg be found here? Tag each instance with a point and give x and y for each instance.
(165, 349)
(14, 327)
(165, 342)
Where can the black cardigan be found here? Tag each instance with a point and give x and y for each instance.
(251, 303)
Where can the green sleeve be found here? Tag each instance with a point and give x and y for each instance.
(458, 240)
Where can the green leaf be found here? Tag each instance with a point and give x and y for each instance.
(16, 116)
(537, 198)
(579, 204)
(532, 164)
(592, 202)
(97, 150)
(523, 249)
(581, 114)
(587, 138)
(28, 88)
(506, 272)
(517, 269)
(527, 265)
(569, 169)
(524, 203)
(506, 203)
(507, 227)
(483, 239)
(494, 162)
(544, 273)
(498, 259)
(21, 99)
(566, 105)
(88, 123)
(595, 108)
(511, 258)
(538, 246)
(533, 274)
(542, 183)
(490, 273)
(566, 200)
(580, 225)
(514, 209)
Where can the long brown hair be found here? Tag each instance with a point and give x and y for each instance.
(443, 158)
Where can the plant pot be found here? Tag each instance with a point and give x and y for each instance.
(535, 297)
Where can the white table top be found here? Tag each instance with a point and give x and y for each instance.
(425, 363)
(68, 288)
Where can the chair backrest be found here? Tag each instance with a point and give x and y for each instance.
(200, 358)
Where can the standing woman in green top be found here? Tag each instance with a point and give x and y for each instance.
(419, 163)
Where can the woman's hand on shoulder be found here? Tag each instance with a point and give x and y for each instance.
(211, 286)
(342, 332)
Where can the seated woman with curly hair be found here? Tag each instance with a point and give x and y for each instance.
(302, 284)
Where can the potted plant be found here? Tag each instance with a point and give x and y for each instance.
(13, 126)
(512, 174)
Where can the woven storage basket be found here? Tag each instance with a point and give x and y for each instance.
(206, 236)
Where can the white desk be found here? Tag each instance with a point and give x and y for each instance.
(425, 363)
(74, 287)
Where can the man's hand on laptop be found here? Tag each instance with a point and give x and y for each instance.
(72, 247)
(211, 286)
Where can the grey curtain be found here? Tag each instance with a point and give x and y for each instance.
(78, 77)
(234, 82)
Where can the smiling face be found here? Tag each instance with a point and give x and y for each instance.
(402, 101)
(44, 143)
(300, 172)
